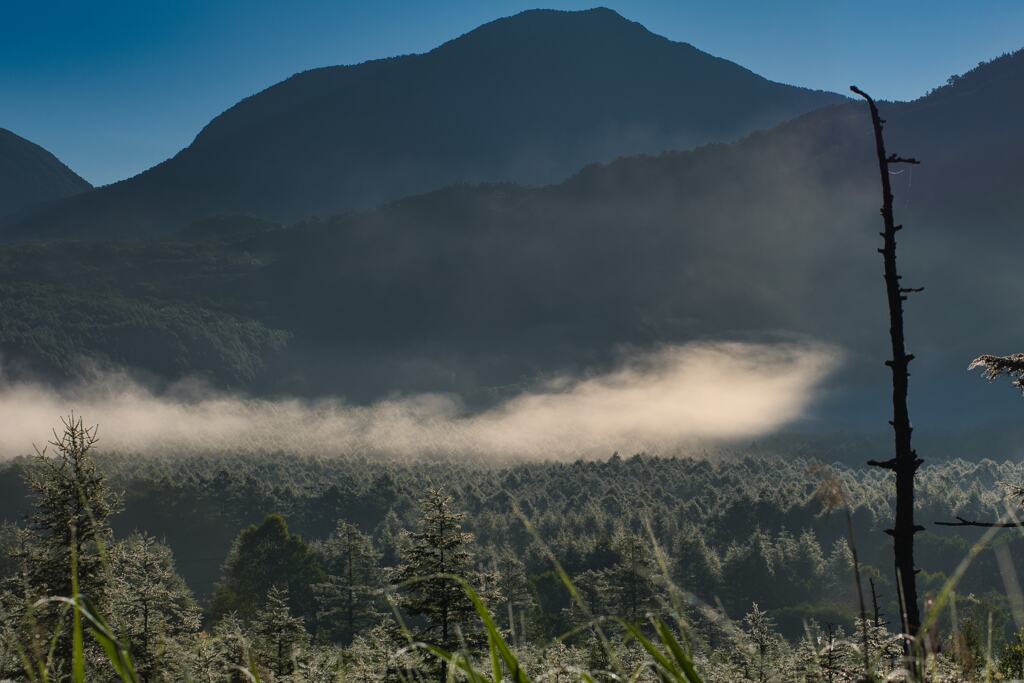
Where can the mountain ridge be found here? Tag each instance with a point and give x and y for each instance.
(31, 175)
(528, 99)
(471, 287)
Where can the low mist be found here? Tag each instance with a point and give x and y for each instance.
(657, 401)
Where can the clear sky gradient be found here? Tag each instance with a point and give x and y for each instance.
(115, 86)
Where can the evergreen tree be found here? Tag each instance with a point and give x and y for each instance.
(765, 641)
(68, 522)
(73, 505)
(631, 580)
(233, 649)
(262, 557)
(1011, 660)
(515, 605)
(697, 568)
(438, 546)
(150, 607)
(279, 635)
(347, 600)
(389, 535)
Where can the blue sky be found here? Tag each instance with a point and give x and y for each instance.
(114, 87)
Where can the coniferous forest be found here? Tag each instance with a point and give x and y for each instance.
(310, 568)
(562, 351)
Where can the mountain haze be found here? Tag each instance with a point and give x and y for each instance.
(30, 175)
(526, 99)
(466, 289)
(489, 289)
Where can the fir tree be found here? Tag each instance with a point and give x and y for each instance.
(631, 580)
(69, 522)
(438, 546)
(760, 629)
(233, 649)
(514, 603)
(73, 505)
(150, 607)
(347, 600)
(279, 635)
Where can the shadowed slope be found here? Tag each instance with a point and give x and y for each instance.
(29, 175)
(528, 99)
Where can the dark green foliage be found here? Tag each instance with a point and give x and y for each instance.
(746, 529)
(349, 600)
(70, 516)
(264, 557)
(438, 546)
(167, 307)
(632, 579)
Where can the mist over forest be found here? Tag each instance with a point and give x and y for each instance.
(561, 350)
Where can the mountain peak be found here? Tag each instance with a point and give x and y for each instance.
(529, 99)
(573, 26)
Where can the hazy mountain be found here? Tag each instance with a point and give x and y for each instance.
(29, 175)
(527, 99)
(476, 288)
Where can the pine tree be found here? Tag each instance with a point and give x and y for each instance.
(513, 602)
(347, 600)
(438, 546)
(279, 635)
(389, 535)
(233, 649)
(697, 568)
(372, 658)
(631, 580)
(150, 607)
(760, 629)
(73, 505)
(262, 557)
(69, 521)
(806, 666)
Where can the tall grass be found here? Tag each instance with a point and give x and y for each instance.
(670, 657)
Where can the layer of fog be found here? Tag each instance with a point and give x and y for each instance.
(655, 402)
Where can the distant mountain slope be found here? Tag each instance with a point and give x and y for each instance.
(474, 289)
(528, 99)
(30, 175)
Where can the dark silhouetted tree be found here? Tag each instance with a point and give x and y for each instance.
(262, 557)
(905, 462)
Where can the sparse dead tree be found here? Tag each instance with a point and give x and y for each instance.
(905, 462)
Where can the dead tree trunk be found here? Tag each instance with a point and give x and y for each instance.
(905, 462)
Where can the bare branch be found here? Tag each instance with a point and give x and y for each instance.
(897, 159)
(985, 525)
